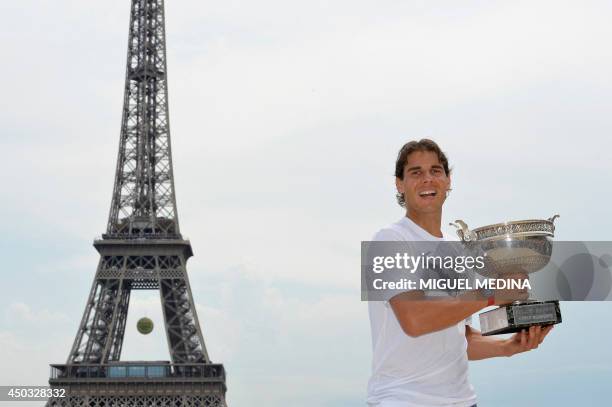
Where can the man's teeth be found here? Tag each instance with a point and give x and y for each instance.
(428, 193)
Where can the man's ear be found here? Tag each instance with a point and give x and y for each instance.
(398, 185)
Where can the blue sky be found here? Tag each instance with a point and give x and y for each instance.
(286, 117)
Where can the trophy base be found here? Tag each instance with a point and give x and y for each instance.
(519, 315)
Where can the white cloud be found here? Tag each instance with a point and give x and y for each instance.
(19, 312)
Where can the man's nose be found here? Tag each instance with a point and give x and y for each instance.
(427, 176)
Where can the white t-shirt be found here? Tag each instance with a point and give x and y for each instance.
(428, 370)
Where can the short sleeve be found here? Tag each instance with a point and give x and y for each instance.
(387, 235)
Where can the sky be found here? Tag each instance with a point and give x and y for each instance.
(286, 118)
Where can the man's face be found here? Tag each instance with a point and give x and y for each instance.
(425, 183)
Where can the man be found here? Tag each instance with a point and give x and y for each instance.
(421, 348)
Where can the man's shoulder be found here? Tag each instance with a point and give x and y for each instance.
(392, 233)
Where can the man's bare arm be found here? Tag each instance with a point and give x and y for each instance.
(419, 317)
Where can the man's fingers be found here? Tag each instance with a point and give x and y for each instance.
(528, 339)
(532, 338)
(537, 336)
(530, 334)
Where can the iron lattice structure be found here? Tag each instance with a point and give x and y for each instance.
(142, 249)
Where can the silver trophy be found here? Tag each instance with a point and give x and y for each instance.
(523, 247)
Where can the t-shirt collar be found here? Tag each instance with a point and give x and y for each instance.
(409, 223)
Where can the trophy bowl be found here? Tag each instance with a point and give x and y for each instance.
(523, 247)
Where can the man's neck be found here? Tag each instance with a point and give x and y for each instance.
(431, 222)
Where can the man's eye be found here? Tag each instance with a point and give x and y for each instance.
(416, 172)
(436, 171)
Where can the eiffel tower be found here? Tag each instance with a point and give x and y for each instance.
(142, 249)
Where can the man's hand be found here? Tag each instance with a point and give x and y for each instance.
(526, 340)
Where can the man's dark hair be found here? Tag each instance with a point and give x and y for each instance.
(409, 148)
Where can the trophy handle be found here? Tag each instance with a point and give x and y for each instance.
(463, 231)
(553, 218)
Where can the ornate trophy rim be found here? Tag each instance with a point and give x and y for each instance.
(504, 230)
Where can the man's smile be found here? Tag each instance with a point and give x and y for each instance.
(429, 193)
